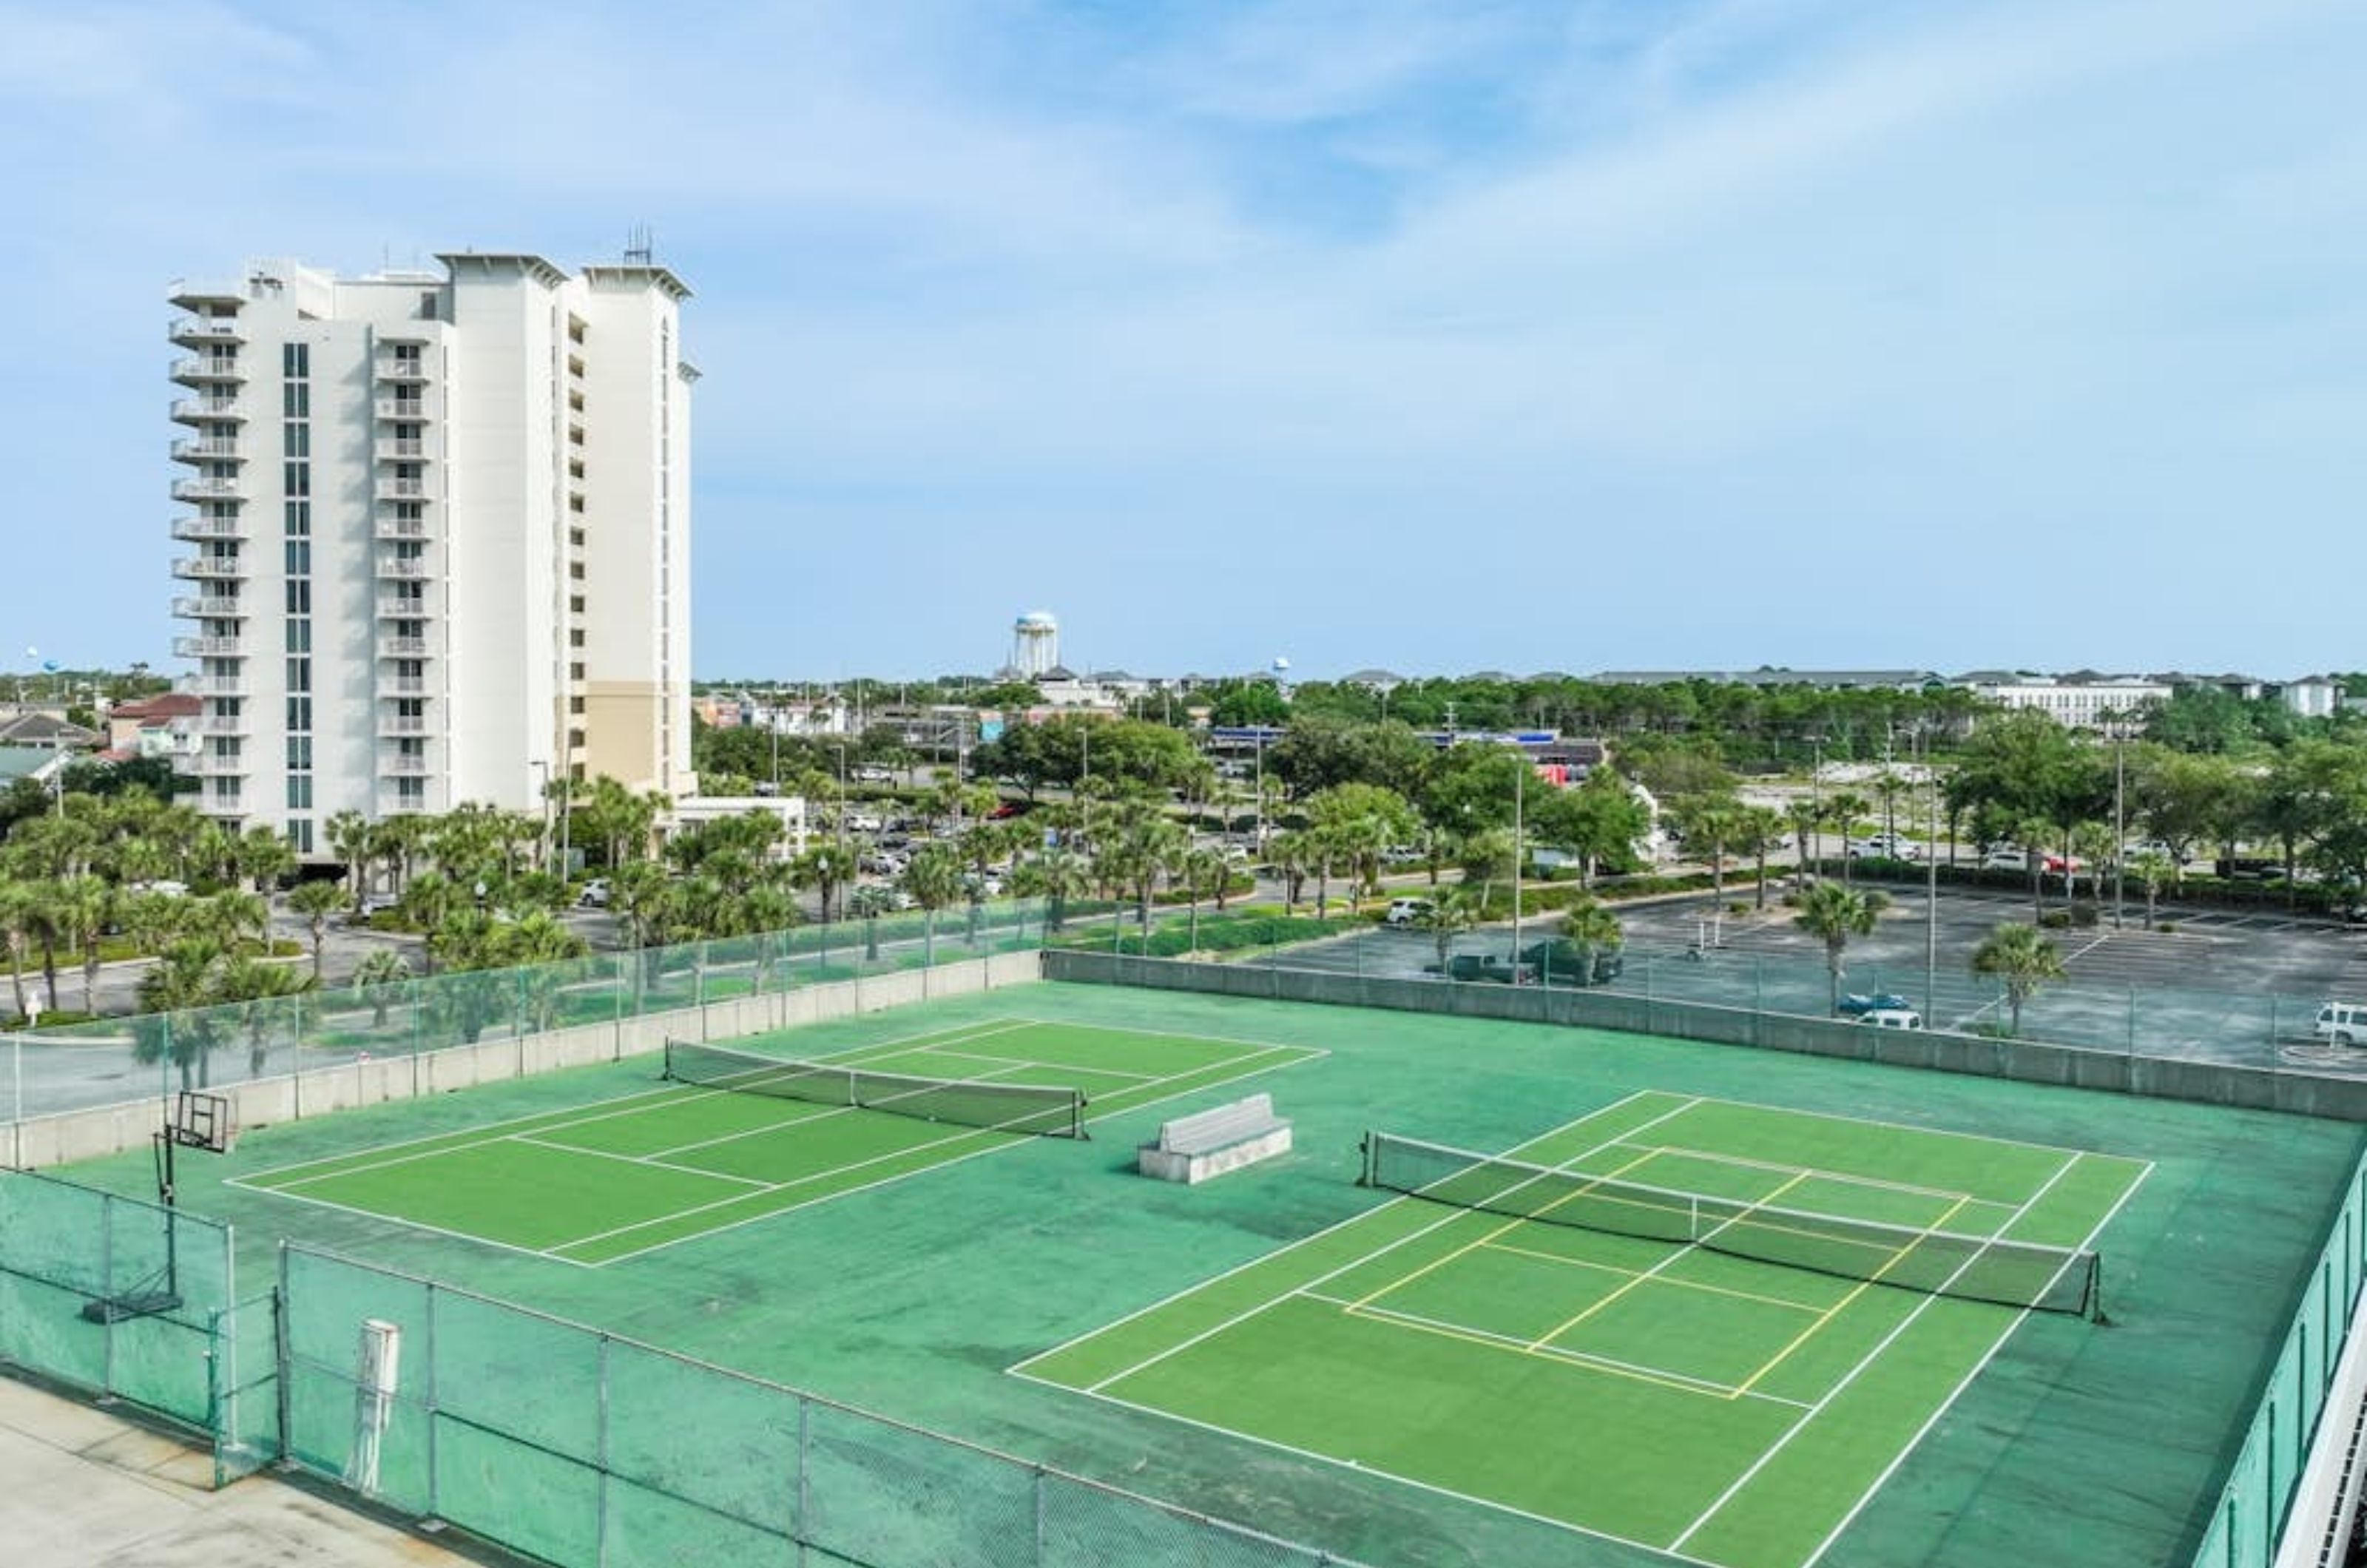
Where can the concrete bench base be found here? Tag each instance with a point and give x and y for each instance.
(1169, 1166)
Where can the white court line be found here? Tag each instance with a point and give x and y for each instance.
(1173, 1296)
(824, 1114)
(414, 1224)
(1679, 1383)
(630, 1159)
(1450, 1217)
(1711, 1157)
(1958, 1392)
(1868, 1359)
(1049, 1066)
(1631, 1273)
(1336, 1462)
(1949, 1133)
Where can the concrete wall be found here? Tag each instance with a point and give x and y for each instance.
(2022, 1060)
(88, 1134)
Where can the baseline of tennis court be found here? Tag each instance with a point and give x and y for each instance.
(1690, 1396)
(600, 1183)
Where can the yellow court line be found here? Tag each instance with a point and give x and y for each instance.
(1656, 1268)
(1829, 1313)
(1509, 1225)
(1665, 1280)
(1713, 1156)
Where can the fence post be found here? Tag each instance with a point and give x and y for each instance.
(600, 1535)
(1037, 1490)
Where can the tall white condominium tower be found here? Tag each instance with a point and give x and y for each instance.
(441, 537)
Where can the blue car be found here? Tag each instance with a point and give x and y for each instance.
(1857, 1004)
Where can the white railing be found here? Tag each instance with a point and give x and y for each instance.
(402, 527)
(221, 724)
(402, 726)
(207, 527)
(207, 765)
(186, 410)
(194, 448)
(403, 610)
(208, 367)
(404, 767)
(205, 489)
(410, 570)
(208, 566)
(407, 447)
(401, 489)
(209, 647)
(403, 408)
(204, 329)
(403, 647)
(404, 686)
(202, 609)
(393, 368)
(211, 686)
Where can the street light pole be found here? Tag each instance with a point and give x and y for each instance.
(2120, 826)
(544, 766)
(1520, 782)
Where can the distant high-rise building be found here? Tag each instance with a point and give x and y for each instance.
(1035, 645)
(442, 537)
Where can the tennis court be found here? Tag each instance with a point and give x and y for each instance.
(1706, 1327)
(744, 1134)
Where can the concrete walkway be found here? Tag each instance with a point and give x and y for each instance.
(86, 1489)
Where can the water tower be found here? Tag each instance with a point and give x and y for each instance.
(1035, 645)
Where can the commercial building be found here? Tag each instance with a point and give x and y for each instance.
(441, 536)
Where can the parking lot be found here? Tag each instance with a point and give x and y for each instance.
(2241, 988)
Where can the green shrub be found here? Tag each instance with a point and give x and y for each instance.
(2085, 914)
(2054, 920)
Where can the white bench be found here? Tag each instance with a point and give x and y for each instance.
(1210, 1143)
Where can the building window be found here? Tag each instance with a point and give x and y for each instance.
(298, 515)
(299, 753)
(296, 400)
(300, 596)
(296, 478)
(299, 677)
(299, 792)
(300, 832)
(296, 440)
(296, 360)
(300, 634)
(300, 557)
(300, 713)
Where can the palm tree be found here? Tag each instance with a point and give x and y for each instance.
(349, 840)
(1451, 912)
(933, 878)
(1591, 928)
(827, 868)
(177, 998)
(1761, 829)
(1293, 856)
(1807, 819)
(2031, 833)
(316, 901)
(1842, 810)
(263, 857)
(2023, 956)
(375, 974)
(1833, 912)
(1202, 873)
(253, 983)
(1056, 875)
(2154, 870)
(1712, 824)
(18, 920)
(79, 908)
(866, 902)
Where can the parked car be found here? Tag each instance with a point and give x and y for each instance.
(1893, 1018)
(594, 894)
(871, 772)
(1488, 967)
(2342, 1023)
(1857, 1004)
(1561, 962)
(2005, 860)
(1407, 911)
(376, 903)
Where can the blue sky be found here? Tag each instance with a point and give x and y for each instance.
(1437, 336)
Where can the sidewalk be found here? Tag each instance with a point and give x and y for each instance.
(88, 1489)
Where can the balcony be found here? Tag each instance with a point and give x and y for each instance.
(206, 765)
(402, 408)
(198, 329)
(209, 647)
(404, 767)
(190, 292)
(210, 609)
(402, 724)
(401, 489)
(411, 450)
(202, 567)
(391, 368)
(207, 449)
(225, 724)
(212, 686)
(197, 411)
(206, 489)
(404, 686)
(195, 529)
(401, 529)
(403, 610)
(204, 369)
(405, 571)
(403, 647)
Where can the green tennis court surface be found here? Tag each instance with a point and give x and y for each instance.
(1722, 1407)
(623, 1177)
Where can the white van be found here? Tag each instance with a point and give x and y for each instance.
(1407, 911)
(1893, 1018)
(2343, 1023)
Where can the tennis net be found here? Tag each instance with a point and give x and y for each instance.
(1049, 1110)
(1936, 1262)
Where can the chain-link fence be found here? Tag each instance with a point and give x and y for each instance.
(589, 1450)
(111, 1061)
(2251, 1520)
